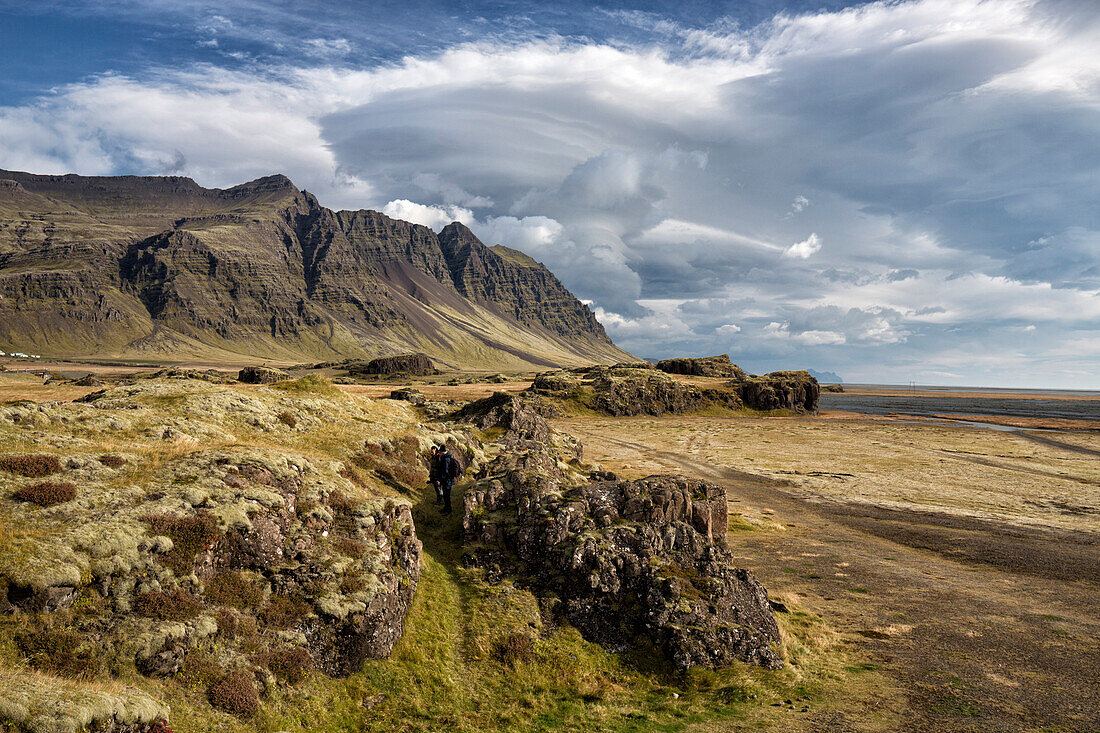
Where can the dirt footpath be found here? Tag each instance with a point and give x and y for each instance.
(985, 626)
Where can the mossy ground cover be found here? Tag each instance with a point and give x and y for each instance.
(474, 656)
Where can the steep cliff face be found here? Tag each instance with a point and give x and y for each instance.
(515, 283)
(128, 266)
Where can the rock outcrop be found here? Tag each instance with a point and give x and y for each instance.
(625, 560)
(795, 390)
(261, 375)
(706, 366)
(418, 365)
(138, 266)
(410, 395)
(627, 390)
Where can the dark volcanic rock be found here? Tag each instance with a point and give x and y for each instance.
(780, 390)
(642, 392)
(623, 391)
(408, 394)
(45, 600)
(414, 364)
(522, 416)
(261, 375)
(706, 366)
(627, 559)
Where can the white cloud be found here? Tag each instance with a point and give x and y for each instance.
(727, 330)
(433, 217)
(677, 231)
(327, 47)
(805, 249)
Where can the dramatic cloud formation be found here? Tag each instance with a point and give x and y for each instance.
(892, 191)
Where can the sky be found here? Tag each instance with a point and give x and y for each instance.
(902, 191)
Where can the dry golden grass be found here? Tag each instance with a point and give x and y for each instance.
(961, 470)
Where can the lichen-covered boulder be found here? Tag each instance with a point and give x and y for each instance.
(410, 395)
(521, 416)
(261, 375)
(414, 364)
(791, 390)
(346, 632)
(705, 366)
(627, 559)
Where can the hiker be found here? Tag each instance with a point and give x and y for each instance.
(433, 475)
(445, 470)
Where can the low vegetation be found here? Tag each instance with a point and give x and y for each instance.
(478, 652)
(47, 493)
(31, 466)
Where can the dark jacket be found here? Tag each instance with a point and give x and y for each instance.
(444, 468)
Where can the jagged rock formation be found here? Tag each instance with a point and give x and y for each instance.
(623, 391)
(160, 266)
(706, 366)
(779, 390)
(625, 559)
(412, 364)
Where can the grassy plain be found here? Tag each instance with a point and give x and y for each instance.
(964, 563)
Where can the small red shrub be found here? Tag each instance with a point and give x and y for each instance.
(515, 648)
(47, 493)
(341, 502)
(113, 461)
(282, 612)
(189, 535)
(31, 466)
(234, 589)
(291, 665)
(235, 694)
(173, 606)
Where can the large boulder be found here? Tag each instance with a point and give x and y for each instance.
(261, 375)
(412, 364)
(704, 366)
(410, 395)
(346, 632)
(626, 390)
(643, 392)
(628, 560)
(793, 390)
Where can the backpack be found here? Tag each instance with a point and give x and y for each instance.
(450, 467)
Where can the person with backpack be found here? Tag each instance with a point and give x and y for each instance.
(433, 475)
(445, 469)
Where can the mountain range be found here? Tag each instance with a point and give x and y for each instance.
(162, 268)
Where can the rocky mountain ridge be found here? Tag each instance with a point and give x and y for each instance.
(158, 266)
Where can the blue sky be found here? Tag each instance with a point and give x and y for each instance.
(893, 191)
